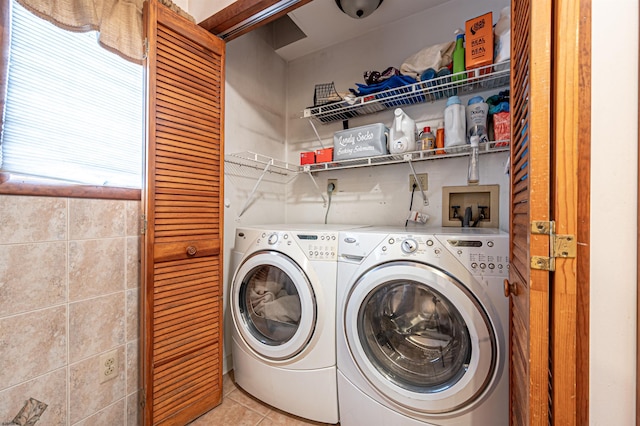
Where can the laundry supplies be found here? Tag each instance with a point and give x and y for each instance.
(402, 137)
(454, 125)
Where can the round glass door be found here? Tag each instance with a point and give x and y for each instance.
(420, 337)
(273, 305)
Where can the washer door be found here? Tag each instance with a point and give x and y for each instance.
(419, 337)
(273, 305)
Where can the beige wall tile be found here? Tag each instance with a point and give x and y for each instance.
(133, 262)
(110, 416)
(95, 218)
(133, 316)
(32, 344)
(87, 394)
(96, 325)
(133, 213)
(96, 267)
(32, 276)
(32, 219)
(134, 412)
(50, 389)
(133, 366)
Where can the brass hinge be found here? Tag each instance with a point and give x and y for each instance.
(561, 246)
(143, 224)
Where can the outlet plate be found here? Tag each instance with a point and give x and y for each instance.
(335, 184)
(108, 366)
(424, 181)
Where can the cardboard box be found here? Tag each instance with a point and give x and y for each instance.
(307, 157)
(478, 50)
(364, 141)
(324, 155)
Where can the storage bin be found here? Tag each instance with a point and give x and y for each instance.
(364, 141)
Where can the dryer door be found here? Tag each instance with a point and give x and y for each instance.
(273, 305)
(420, 337)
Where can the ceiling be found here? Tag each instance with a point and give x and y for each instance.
(325, 24)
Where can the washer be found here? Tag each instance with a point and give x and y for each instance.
(422, 327)
(282, 303)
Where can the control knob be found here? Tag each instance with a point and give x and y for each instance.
(273, 238)
(409, 245)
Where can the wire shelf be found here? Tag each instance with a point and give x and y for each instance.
(251, 164)
(430, 154)
(467, 82)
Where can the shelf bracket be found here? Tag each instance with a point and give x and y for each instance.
(425, 200)
(324, 200)
(255, 188)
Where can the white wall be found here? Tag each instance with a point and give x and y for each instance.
(381, 195)
(254, 121)
(614, 176)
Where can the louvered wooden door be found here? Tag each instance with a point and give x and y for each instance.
(183, 192)
(530, 200)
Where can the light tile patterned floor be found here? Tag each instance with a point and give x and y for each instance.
(238, 408)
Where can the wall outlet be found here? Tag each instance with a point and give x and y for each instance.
(335, 184)
(423, 181)
(108, 366)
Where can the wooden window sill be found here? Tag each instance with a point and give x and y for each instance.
(14, 185)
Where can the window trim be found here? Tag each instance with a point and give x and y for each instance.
(11, 184)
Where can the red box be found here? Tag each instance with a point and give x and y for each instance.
(307, 157)
(324, 155)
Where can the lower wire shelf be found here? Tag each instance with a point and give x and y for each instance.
(430, 154)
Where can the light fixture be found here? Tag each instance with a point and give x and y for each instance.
(358, 8)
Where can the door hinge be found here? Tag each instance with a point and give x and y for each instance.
(560, 246)
(145, 49)
(143, 224)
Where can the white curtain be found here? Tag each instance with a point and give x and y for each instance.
(118, 22)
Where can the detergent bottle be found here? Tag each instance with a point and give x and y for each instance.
(455, 126)
(402, 137)
(458, 57)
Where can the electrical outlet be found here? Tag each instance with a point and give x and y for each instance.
(108, 366)
(335, 184)
(423, 181)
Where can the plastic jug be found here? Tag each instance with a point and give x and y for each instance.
(454, 125)
(402, 137)
(477, 110)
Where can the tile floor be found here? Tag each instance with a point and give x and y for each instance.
(238, 408)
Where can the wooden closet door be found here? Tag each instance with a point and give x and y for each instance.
(530, 201)
(183, 193)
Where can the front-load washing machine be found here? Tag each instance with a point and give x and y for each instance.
(422, 331)
(282, 303)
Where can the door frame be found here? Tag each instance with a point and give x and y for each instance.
(573, 33)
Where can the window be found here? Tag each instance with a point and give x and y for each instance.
(74, 110)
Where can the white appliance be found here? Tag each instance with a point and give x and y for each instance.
(282, 303)
(422, 331)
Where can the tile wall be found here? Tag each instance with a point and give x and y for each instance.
(69, 292)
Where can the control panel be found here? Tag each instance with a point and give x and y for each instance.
(486, 255)
(315, 245)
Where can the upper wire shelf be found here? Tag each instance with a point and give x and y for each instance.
(480, 79)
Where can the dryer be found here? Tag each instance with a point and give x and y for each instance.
(282, 303)
(422, 327)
